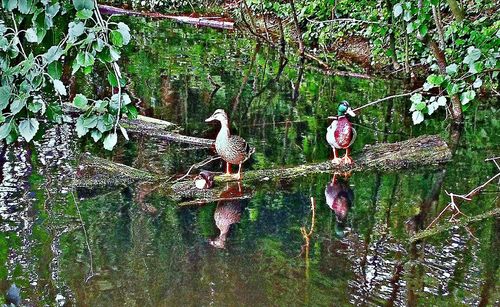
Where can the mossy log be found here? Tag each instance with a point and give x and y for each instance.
(160, 129)
(417, 152)
(412, 153)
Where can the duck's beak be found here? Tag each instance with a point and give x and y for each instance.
(211, 118)
(351, 112)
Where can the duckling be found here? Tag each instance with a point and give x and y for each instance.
(204, 180)
(232, 148)
(340, 134)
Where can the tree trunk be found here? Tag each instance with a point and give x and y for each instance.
(457, 11)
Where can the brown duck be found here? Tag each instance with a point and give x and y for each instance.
(232, 148)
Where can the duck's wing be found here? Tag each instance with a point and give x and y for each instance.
(240, 147)
(354, 135)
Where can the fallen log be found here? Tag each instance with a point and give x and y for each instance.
(417, 152)
(210, 21)
(159, 129)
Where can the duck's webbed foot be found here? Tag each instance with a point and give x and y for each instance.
(347, 160)
(336, 160)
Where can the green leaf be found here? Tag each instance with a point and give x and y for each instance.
(90, 122)
(125, 32)
(423, 30)
(416, 98)
(417, 117)
(81, 102)
(126, 99)
(132, 111)
(112, 79)
(451, 69)
(5, 130)
(96, 135)
(466, 97)
(83, 4)
(31, 36)
(84, 14)
(55, 70)
(397, 10)
(59, 87)
(36, 105)
(9, 5)
(427, 86)
(100, 105)
(420, 106)
(124, 132)
(4, 96)
(28, 128)
(53, 54)
(473, 54)
(410, 27)
(75, 29)
(477, 83)
(54, 113)
(441, 101)
(475, 67)
(115, 54)
(81, 130)
(110, 141)
(435, 79)
(17, 105)
(116, 38)
(24, 6)
(452, 89)
(88, 59)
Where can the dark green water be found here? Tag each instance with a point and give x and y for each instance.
(140, 249)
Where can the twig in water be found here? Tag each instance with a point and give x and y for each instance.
(468, 197)
(91, 273)
(199, 164)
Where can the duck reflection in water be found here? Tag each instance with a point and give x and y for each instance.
(227, 213)
(339, 197)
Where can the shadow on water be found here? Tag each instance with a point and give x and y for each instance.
(146, 251)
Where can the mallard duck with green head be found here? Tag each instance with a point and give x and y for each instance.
(341, 134)
(232, 148)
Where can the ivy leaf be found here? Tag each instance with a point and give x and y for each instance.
(81, 102)
(4, 96)
(90, 122)
(124, 132)
(84, 14)
(5, 130)
(397, 10)
(53, 54)
(441, 101)
(112, 79)
(427, 86)
(417, 117)
(28, 128)
(116, 38)
(24, 6)
(466, 97)
(410, 27)
(17, 105)
(75, 29)
(83, 4)
(473, 54)
(9, 5)
(451, 69)
(81, 130)
(96, 135)
(416, 98)
(31, 36)
(435, 79)
(125, 32)
(110, 141)
(126, 99)
(423, 30)
(477, 83)
(55, 70)
(475, 67)
(59, 87)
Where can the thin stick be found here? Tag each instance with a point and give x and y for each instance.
(387, 98)
(86, 238)
(199, 164)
